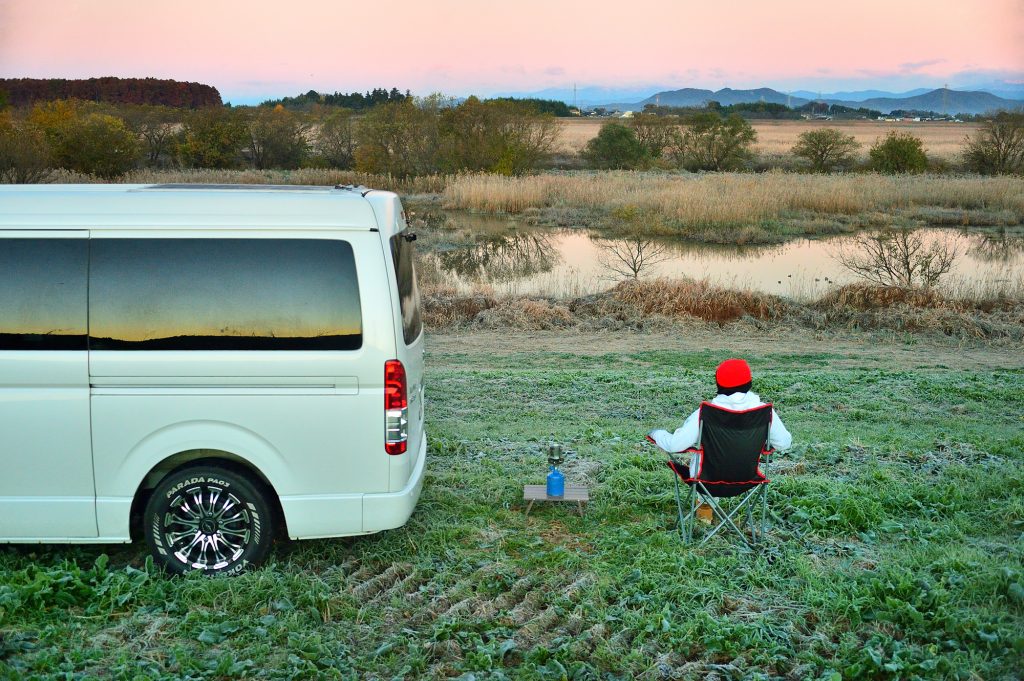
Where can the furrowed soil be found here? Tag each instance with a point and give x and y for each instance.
(894, 545)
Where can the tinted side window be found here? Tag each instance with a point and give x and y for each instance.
(43, 294)
(408, 290)
(223, 294)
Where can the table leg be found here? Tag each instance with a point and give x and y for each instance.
(528, 507)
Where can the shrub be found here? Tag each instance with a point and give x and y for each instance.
(616, 146)
(276, 138)
(711, 142)
(898, 152)
(213, 138)
(998, 146)
(24, 154)
(826, 148)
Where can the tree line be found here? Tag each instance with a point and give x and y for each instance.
(401, 137)
(161, 92)
(421, 136)
(705, 140)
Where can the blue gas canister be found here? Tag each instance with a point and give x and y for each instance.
(556, 483)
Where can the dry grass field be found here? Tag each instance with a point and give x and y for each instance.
(775, 138)
(738, 198)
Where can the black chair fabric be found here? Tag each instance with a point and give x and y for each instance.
(731, 446)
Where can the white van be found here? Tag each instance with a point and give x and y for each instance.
(207, 366)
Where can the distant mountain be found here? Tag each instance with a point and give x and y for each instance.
(940, 100)
(585, 96)
(857, 95)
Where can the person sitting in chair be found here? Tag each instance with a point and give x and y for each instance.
(734, 382)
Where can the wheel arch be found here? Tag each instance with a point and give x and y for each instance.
(199, 457)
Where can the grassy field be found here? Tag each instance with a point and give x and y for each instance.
(894, 550)
(775, 138)
(743, 207)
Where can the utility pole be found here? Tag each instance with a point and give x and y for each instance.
(945, 89)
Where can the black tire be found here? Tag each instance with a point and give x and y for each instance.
(208, 518)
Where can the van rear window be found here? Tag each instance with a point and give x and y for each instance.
(42, 294)
(223, 294)
(408, 290)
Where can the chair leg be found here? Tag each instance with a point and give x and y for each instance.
(750, 522)
(679, 509)
(764, 508)
(725, 518)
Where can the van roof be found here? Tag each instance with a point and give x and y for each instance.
(197, 206)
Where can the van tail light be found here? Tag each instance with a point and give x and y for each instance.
(396, 408)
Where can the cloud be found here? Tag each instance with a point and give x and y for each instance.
(554, 71)
(911, 66)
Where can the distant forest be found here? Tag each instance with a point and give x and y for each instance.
(350, 100)
(767, 110)
(110, 90)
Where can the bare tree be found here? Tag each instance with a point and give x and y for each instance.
(628, 257)
(899, 258)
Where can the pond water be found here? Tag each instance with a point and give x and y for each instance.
(511, 257)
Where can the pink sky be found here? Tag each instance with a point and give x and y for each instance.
(257, 49)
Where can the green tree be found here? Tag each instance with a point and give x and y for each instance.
(336, 139)
(24, 153)
(277, 138)
(997, 147)
(898, 152)
(100, 144)
(655, 132)
(399, 138)
(826, 148)
(83, 139)
(616, 146)
(711, 142)
(155, 126)
(212, 137)
(502, 136)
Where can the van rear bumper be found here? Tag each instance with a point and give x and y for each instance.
(392, 509)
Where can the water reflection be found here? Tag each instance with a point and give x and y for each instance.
(997, 247)
(513, 258)
(502, 258)
(628, 257)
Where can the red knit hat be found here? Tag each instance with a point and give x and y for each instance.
(733, 373)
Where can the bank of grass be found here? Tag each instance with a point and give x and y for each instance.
(993, 314)
(744, 207)
(894, 549)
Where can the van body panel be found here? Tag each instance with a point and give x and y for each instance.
(392, 220)
(391, 510)
(310, 422)
(46, 475)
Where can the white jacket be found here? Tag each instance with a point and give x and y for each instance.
(686, 436)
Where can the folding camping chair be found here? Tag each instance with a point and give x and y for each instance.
(731, 447)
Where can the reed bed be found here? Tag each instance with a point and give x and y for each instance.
(423, 184)
(734, 198)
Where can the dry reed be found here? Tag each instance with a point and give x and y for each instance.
(731, 199)
(652, 304)
(424, 184)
